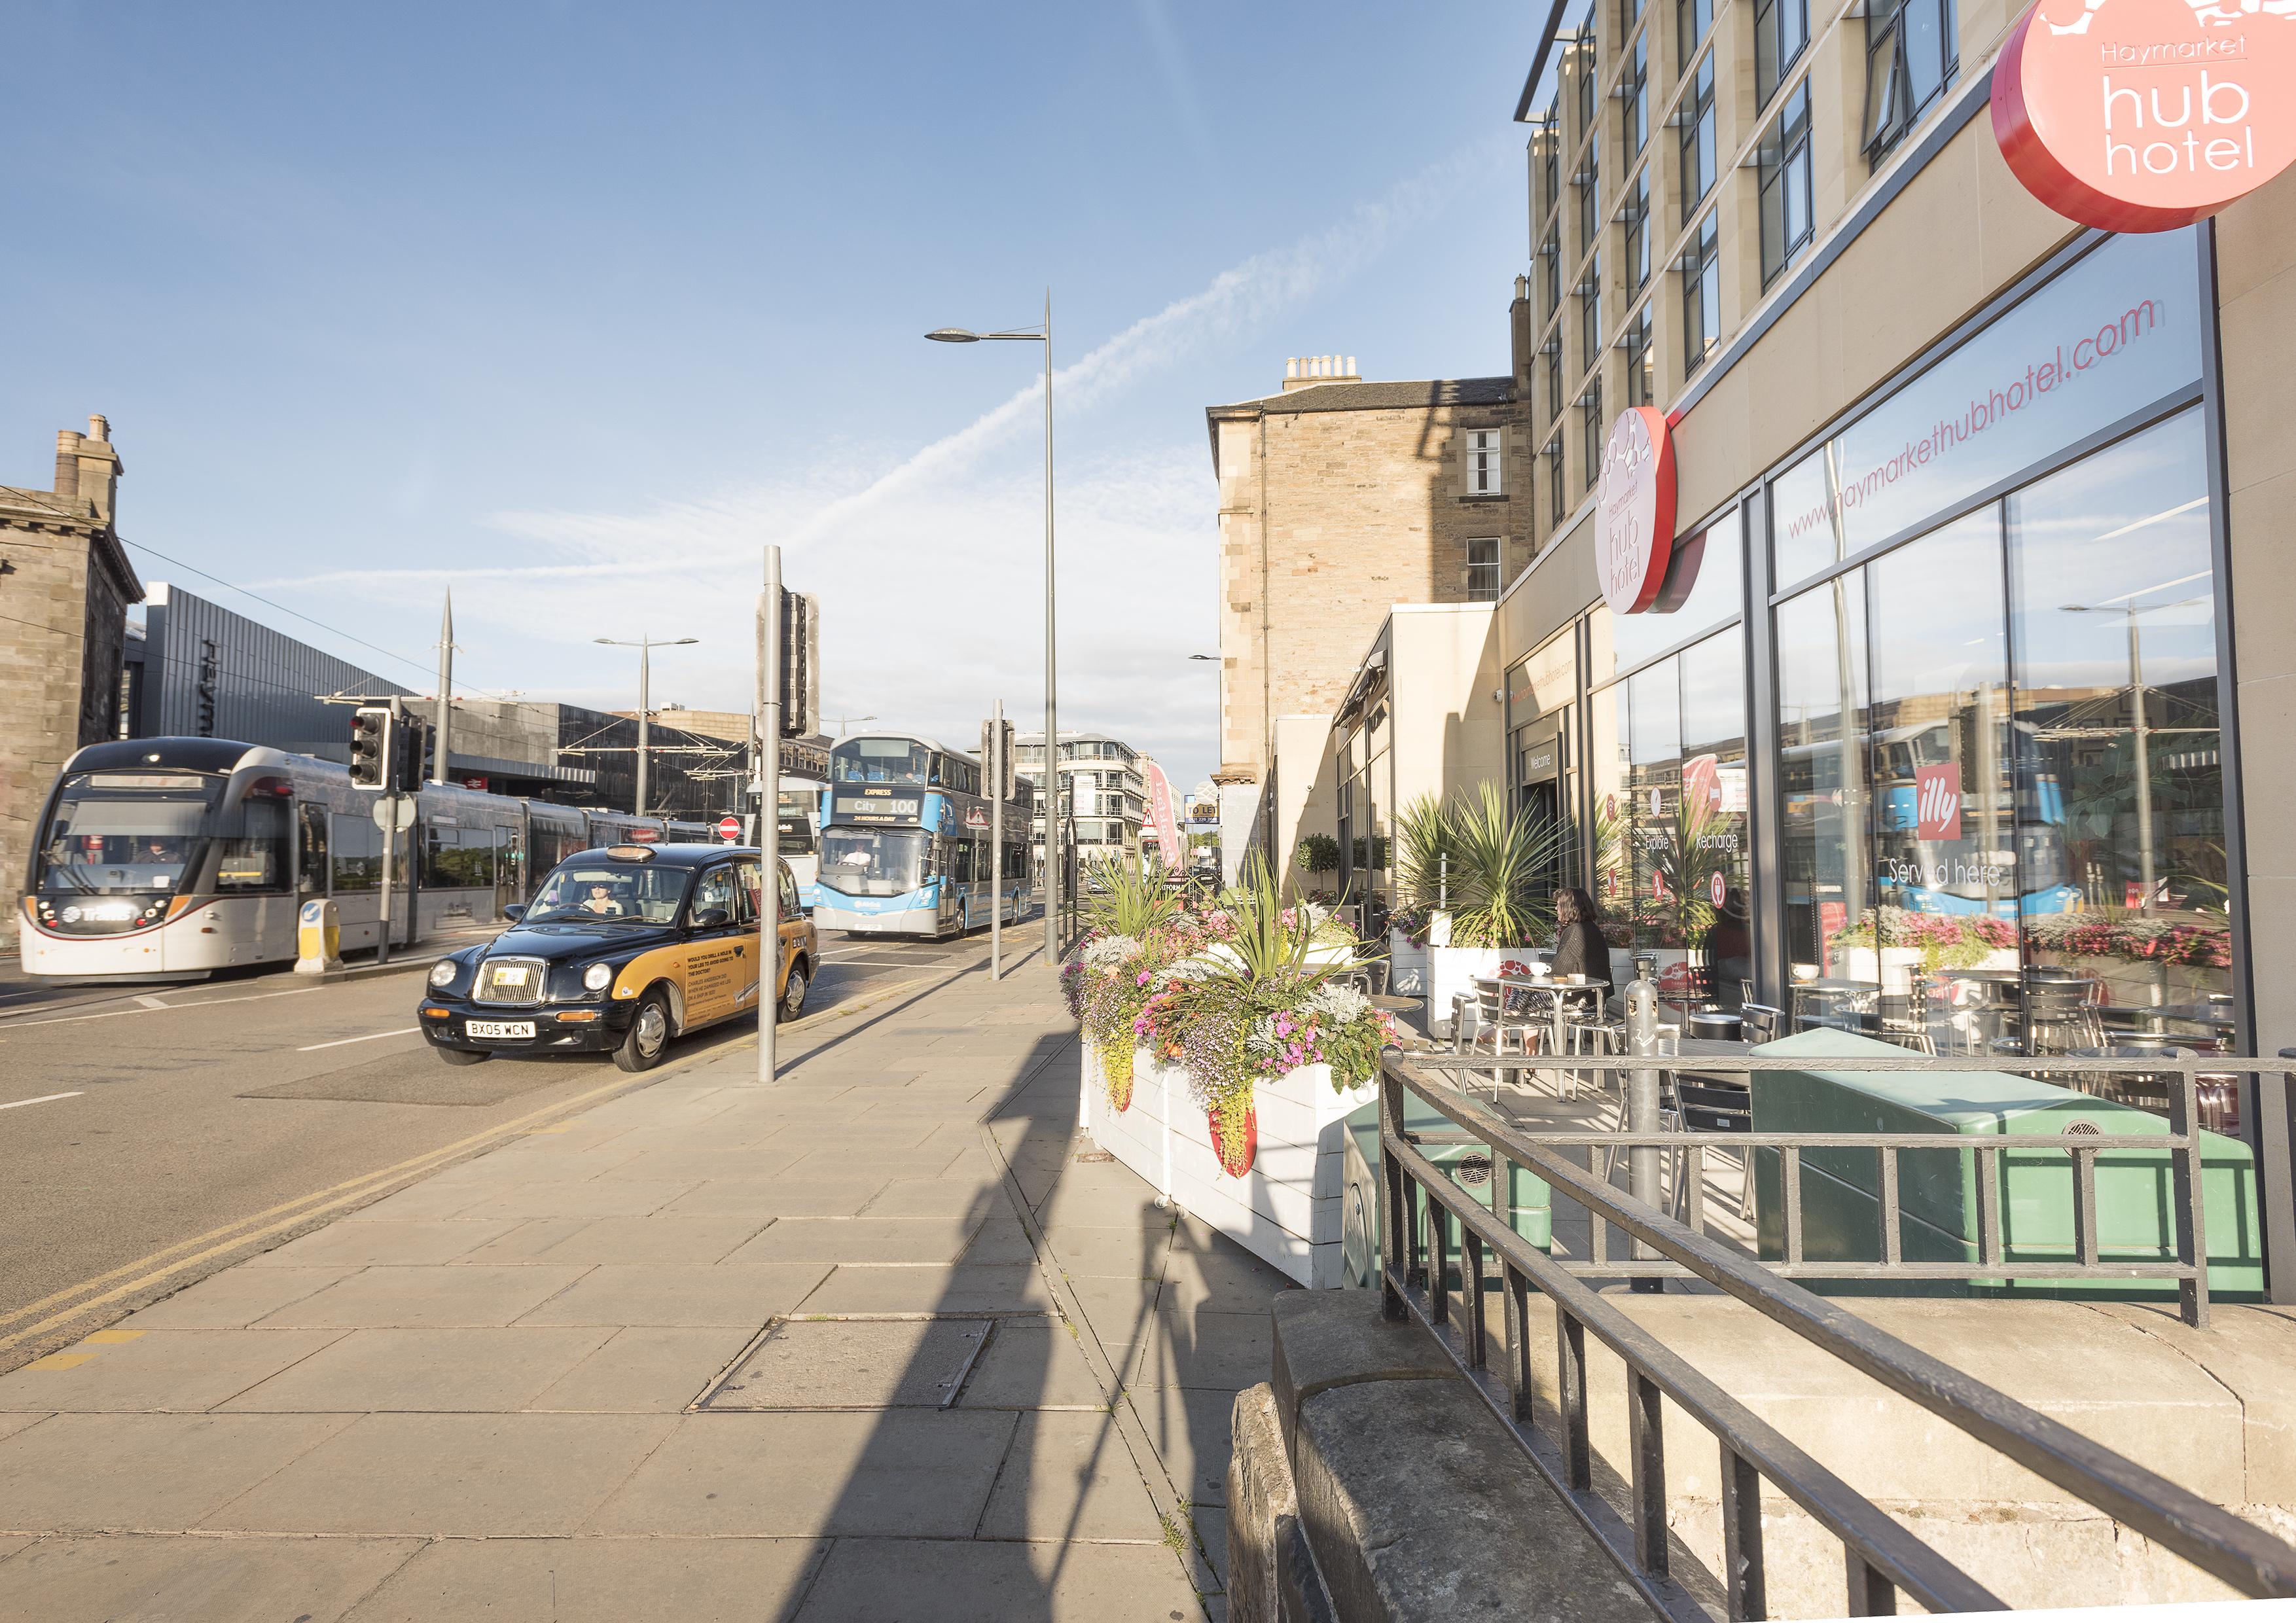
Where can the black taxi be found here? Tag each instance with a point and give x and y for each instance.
(621, 950)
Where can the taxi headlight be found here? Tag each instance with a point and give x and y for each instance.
(596, 978)
(443, 972)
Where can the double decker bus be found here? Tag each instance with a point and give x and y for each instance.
(905, 841)
(799, 823)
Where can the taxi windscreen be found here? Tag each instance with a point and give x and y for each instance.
(593, 889)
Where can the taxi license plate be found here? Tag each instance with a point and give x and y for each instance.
(498, 1028)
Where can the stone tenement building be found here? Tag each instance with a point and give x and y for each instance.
(1338, 499)
(65, 585)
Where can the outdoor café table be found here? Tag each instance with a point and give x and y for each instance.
(1819, 1003)
(1532, 986)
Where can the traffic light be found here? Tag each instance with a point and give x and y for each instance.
(371, 746)
(800, 671)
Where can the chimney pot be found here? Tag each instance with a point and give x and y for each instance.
(68, 464)
(99, 428)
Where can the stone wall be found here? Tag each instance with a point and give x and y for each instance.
(1336, 502)
(65, 585)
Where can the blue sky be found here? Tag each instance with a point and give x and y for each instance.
(579, 307)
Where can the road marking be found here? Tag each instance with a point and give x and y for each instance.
(18, 1103)
(60, 1360)
(173, 1008)
(149, 1001)
(370, 1037)
(110, 1338)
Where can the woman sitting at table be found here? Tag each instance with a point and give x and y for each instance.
(1580, 948)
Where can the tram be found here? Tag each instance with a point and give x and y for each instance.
(904, 842)
(170, 858)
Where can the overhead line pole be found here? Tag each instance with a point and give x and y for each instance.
(769, 822)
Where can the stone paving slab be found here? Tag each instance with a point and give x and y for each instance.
(646, 1369)
(869, 1364)
(1070, 1476)
(195, 1580)
(837, 1194)
(419, 1371)
(237, 1296)
(404, 1240)
(466, 1475)
(445, 1294)
(733, 1294)
(874, 1581)
(1034, 1367)
(164, 1371)
(915, 1288)
(597, 1580)
(850, 1240)
(123, 1473)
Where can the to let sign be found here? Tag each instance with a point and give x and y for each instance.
(2145, 115)
(1634, 510)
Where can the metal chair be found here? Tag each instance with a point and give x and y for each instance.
(1761, 1022)
(1499, 1023)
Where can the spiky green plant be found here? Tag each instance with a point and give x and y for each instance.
(1502, 854)
(1427, 857)
(1125, 901)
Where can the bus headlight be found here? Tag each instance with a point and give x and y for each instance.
(596, 978)
(443, 972)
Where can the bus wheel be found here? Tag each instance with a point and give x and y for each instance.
(462, 1056)
(649, 1035)
(793, 1001)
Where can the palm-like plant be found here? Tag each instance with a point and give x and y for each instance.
(1124, 901)
(1501, 855)
(1272, 937)
(1427, 858)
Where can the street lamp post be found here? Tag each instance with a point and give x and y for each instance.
(960, 335)
(646, 647)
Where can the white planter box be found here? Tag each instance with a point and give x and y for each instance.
(1285, 1209)
(1406, 965)
(1452, 972)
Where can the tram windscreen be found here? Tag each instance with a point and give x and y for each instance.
(125, 833)
(872, 861)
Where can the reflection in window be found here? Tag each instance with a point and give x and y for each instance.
(2120, 798)
(1637, 216)
(1590, 432)
(1910, 56)
(1701, 296)
(1703, 587)
(1822, 726)
(1589, 182)
(1697, 116)
(1784, 158)
(1781, 34)
(1590, 316)
(1641, 379)
(1553, 458)
(1692, 19)
(1634, 97)
(1550, 268)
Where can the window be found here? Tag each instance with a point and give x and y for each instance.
(1638, 249)
(1697, 116)
(1631, 13)
(746, 894)
(1781, 35)
(1554, 458)
(311, 850)
(1910, 54)
(716, 890)
(1550, 267)
(1483, 571)
(1590, 432)
(1582, 59)
(1641, 384)
(1590, 315)
(356, 853)
(255, 857)
(1547, 144)
(1634, 97)
(1486, 474)
(1589, 182)
(1701, 296)
(1784, 160)
(1692, 19)
(1553, 353)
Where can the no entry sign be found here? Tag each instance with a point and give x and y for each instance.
(729, 829)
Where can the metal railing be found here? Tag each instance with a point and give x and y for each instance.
(1882, 1559)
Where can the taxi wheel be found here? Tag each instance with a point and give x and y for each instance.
(649, 1035)
(463, 1056)
(793, 1002)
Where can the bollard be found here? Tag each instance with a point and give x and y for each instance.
(318, 939)
(1642, 1108)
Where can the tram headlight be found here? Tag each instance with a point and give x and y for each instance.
(443, 972)
(597, 977)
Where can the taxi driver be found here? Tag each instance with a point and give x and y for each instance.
(602, 903)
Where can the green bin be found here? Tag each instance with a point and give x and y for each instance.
(1937, 1190)
(1361, 1206)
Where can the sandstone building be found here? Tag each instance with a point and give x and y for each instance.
(65, 585)
(1338, 499)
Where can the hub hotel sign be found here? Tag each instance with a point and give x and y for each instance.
(2146, 115)
(1634, 510)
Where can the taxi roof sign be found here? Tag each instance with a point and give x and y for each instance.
(630, 853)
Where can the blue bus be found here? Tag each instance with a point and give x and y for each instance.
(904, 842)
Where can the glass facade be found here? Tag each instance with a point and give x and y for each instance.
(1992, 779)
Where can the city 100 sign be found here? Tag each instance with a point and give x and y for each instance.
(2146, 115)
(1634, 510)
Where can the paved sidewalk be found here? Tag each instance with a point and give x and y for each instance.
(712, 1349)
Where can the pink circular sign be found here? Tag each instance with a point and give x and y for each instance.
(1634, 510)
(2146, 115)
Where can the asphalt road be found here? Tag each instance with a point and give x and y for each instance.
(152, 1135)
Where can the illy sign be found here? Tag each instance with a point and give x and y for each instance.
(1937, 802)
(1634, 510)
(2146, 115)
